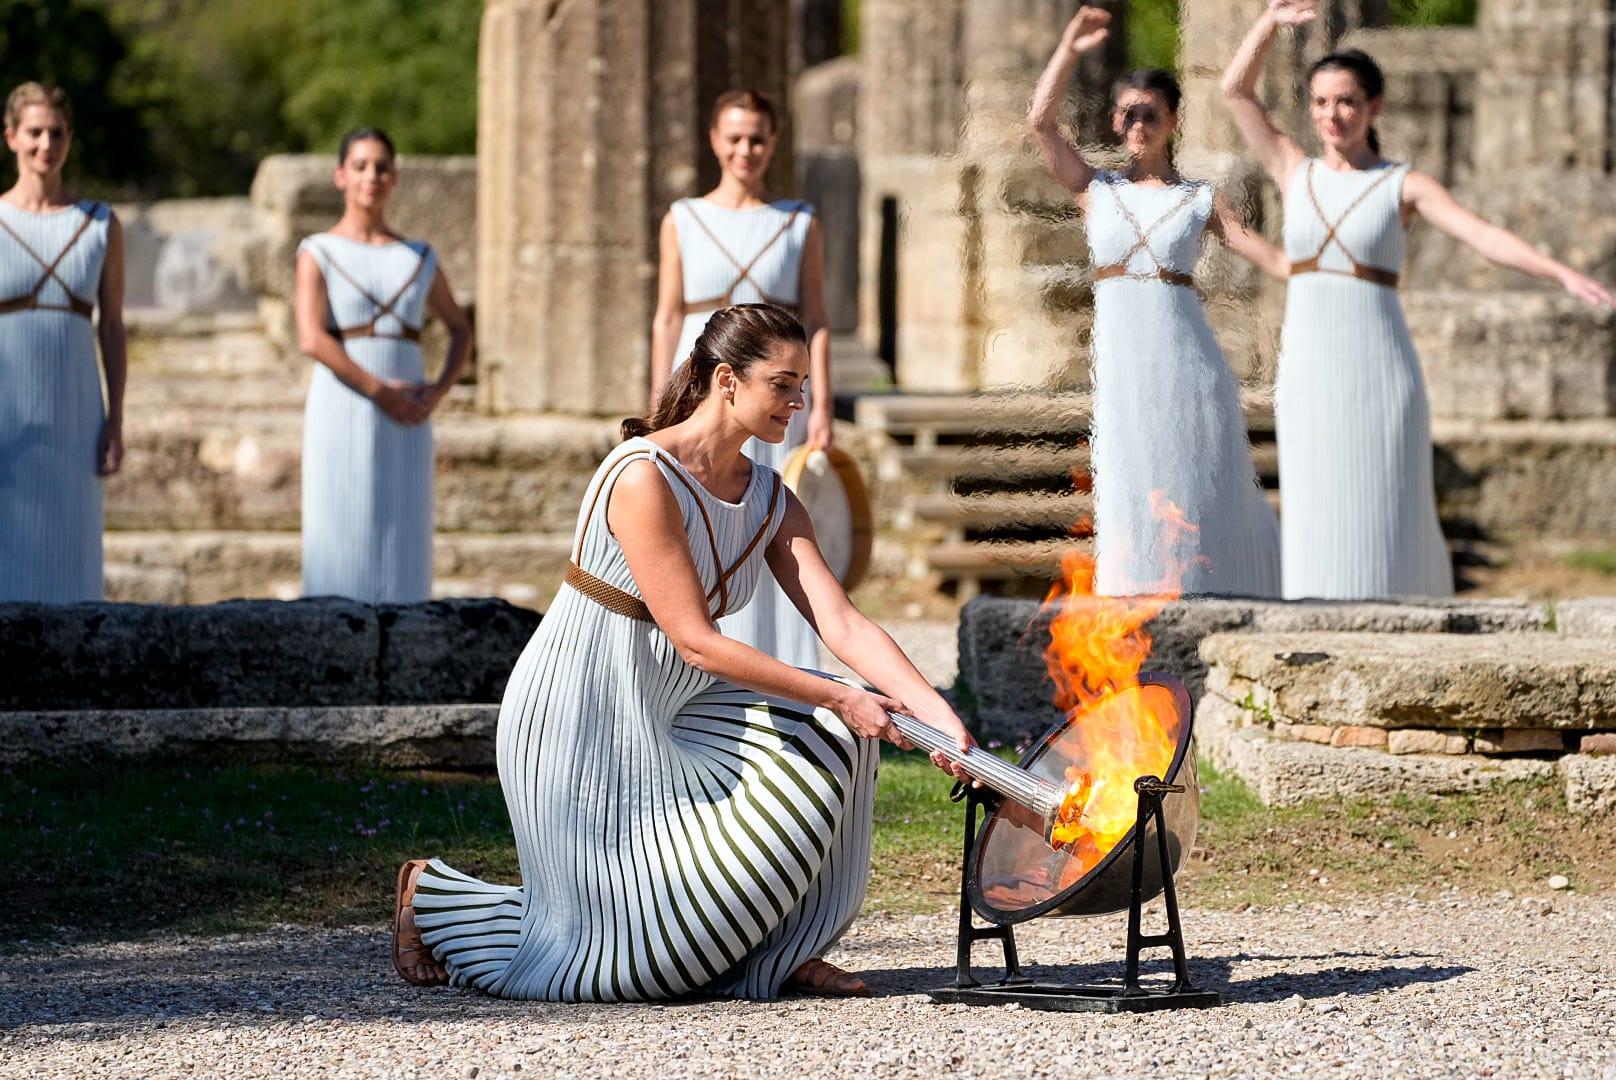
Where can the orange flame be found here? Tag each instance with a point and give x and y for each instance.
(1097, 646)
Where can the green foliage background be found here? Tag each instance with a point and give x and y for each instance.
(184, 97)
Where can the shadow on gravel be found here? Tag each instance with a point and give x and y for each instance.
(1306, 977)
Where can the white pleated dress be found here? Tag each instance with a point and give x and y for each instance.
(1167, 415)
(1359, 506)
(51, 409)
(367, 480)
(675, 833)
(746, 257)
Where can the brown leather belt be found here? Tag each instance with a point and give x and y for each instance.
(31, 302)
(1119, 270)
(607, 596)
(409, 333)
(1372, 274)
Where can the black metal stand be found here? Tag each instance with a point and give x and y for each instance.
(1130, 996)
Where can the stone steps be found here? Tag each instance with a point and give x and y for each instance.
(203, 566)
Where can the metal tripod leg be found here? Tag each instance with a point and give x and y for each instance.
(969, 932)
(1150, 791)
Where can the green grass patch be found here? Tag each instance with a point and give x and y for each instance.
(1598, 560)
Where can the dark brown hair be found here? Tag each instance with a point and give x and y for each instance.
(750, 100)
(33, 93)
(739, 336)
(1362, 67)
(361, 134)
(1151, 81)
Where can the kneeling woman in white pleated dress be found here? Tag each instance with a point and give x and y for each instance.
(60, 260)
(690, 814)
(1167, 419)
(362, 295)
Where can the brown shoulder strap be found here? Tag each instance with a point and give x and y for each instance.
(1331, 230)
(383, 307)
(763, 529)
(744, 271)
(720, 588)
(605, 482)
(1143, 234)
(50, 267)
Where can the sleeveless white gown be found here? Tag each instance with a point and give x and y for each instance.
(1359, 506)
(715, 243)
(51, 410)
(367, 481)
(1167, 415)
(675, 832)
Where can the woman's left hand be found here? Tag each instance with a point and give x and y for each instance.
(109, 447)
(430, 394)
(1587, 289)
(820, 431)
(945, 720)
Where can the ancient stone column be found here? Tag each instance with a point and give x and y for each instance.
(825, 108)
(592, 120)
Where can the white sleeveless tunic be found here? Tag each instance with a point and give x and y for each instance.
(674, 832)
(715, 245)
(367, 481)
(1167, 415)
(1359, 508)
(51, 410)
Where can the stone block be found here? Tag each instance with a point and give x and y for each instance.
(1441, 681)
(247, 654)
(1602, 743)
(1590, 783)
(1002, 641)
(1512, 478)
(1520, 741)
(416, 737)
(1593, 616)
(1286, 773)
(1420, 741)
(450, 651)
(1366, 738)
(1313, 733)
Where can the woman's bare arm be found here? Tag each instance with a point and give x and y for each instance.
(1245, 242)
(1427, 197)
(1276, 151)
(1089, 27)
(114, 342)
(816, 322)
(669, 321)
(443, 304)
(309, 305)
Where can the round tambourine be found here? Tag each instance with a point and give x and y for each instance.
(831, 489)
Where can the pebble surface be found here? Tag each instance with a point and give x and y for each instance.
(1453, 987)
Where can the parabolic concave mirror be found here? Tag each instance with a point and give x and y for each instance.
(1015, 875)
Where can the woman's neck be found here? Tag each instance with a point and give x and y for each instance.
(35, 192)
(1350, 158)
(369, 226)
(733, 194)
(1152, 169)
(708, 443)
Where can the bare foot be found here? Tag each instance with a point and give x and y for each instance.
(411, 958)
(818, 978)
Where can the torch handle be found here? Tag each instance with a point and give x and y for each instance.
(1016, 784)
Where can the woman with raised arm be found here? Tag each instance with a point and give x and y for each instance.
(690, 813)
(1359, 508)
(737, 244)
(60, 259)
(1167, 418)
(362, 295)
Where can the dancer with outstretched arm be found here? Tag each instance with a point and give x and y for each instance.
(1358, 507)
(1167, 417)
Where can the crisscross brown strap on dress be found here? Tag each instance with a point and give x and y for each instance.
(383, 307)
(614, 599)
(1358, 270)
(29, 301)
(1119, 269)
(695, 307)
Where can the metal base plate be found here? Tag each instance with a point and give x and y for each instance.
(1056, 997)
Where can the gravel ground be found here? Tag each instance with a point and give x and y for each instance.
(1458, 987)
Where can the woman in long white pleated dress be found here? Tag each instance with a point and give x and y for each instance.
(1168, 432)
(61, 259)
(691, 814)
(737, 245)
(1355, 465)
(362, 296)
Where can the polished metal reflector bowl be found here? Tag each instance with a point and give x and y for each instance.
(1014, 875)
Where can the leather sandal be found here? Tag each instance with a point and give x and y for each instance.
(412, 960)
(818, 978)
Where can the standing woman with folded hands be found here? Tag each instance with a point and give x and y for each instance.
(1358, 518)
(362, 296)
